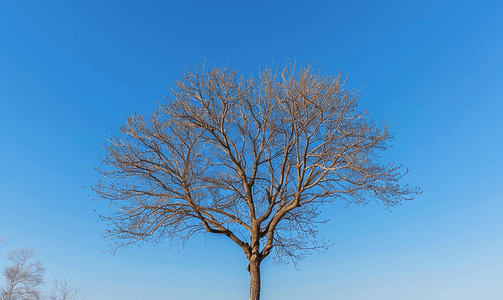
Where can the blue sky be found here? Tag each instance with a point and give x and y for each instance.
(71, 71)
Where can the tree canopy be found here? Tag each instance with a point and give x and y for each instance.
(251, 158)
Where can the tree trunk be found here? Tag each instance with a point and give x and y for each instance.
(254, 269)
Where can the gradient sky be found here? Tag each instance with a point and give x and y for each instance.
(72, 70)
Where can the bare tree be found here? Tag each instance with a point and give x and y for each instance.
(247, 158)
(22, 277)
(64, 290)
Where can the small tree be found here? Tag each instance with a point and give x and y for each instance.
(252, 159)
(64, 290)
(22, 277)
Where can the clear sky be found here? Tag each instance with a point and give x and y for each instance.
(72, 70)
